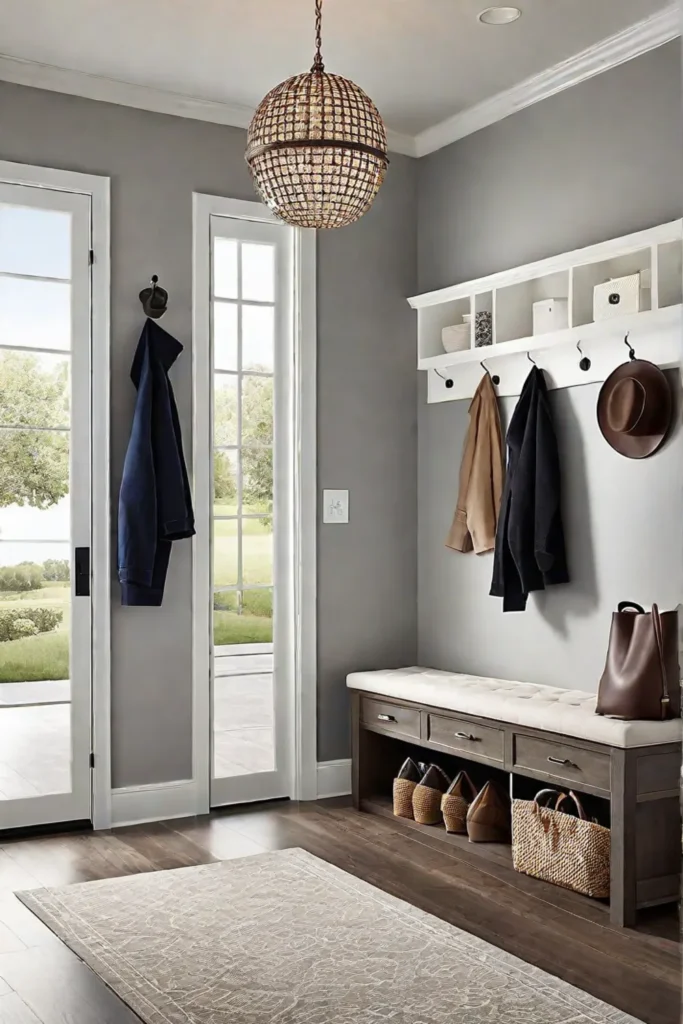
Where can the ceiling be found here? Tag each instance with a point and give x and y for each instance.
(422, 61)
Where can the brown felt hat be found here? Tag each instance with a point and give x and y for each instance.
(634, 409)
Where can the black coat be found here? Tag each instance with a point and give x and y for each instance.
(530, 552)
(155, 506)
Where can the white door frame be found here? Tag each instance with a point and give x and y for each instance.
(303, 700)
(98, 190)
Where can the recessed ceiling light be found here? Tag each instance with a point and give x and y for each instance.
(500, 15)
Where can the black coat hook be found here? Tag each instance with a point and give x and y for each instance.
(528, 355)
(154, 299)
(631, 350)
(585, 363)
(495, 379)
(449, 382)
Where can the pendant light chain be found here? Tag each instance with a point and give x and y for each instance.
(318, 65)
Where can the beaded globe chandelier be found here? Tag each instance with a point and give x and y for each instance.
(317, 147)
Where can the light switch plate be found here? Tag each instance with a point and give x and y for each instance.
(335, 506)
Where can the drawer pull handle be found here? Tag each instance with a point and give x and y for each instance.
(563, 761)
(386, 718)
(467, 736)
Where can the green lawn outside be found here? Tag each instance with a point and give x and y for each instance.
(255, 625)
(230, 628)
(45, 656)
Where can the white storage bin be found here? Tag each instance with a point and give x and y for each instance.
(618, 297)
(456, 338)
(550, 315)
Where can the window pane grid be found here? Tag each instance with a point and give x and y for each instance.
(39, 430)
(250, 339)
(34, 277)
(234, 587)
(245, 515)
(35, 349)
(222, 373)
(230, 302)
(249, 446)
(240, 478)
(35, 540)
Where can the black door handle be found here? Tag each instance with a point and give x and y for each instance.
(82, 572)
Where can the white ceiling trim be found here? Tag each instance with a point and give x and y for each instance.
(633, 41)
(125, 94)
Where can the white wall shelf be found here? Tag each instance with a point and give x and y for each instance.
(655, 332)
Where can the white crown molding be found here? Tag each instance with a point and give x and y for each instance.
(632, 42)
(125, 94)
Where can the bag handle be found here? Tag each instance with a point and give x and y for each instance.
(544, 795)
(659, 642)
(571, 796)
(625, 605)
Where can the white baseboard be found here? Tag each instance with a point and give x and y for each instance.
(134, 805)
(334, 778)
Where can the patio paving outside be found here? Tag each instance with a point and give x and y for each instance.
(243, 715)
(35, 754)
(35, 741)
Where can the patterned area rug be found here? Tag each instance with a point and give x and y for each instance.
(284, 937)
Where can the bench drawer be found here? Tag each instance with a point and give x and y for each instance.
(379, 714)
(562, 762)
(466, 738)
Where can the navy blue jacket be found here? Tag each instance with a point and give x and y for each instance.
(530, 550)
(155, 504)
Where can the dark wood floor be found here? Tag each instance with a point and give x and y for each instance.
(42, 982)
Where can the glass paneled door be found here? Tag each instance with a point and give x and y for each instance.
(251, 345)
(45, 625)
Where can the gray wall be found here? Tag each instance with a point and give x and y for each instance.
(595, 162)
(591, 163)
(622, 523)
(367, 436)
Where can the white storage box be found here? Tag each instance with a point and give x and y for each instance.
(550, 315)
(456, 338)
(618, 297)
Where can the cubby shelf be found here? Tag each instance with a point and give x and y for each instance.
(656, 253)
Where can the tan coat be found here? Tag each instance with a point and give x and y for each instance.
(481, 476)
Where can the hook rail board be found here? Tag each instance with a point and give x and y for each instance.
(594, 297)
(660, 343)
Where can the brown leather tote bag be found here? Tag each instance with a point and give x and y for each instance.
(641, 677)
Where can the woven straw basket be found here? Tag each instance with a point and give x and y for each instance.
(561, 848)
(403, 797)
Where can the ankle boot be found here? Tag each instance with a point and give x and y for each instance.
(404, 786)
(455, 802)
(427, 796)
(488, 818)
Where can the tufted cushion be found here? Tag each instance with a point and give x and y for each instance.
(568, 712)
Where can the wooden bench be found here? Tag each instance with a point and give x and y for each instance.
(630, 770)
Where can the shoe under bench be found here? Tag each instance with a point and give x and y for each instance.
(633, 790)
